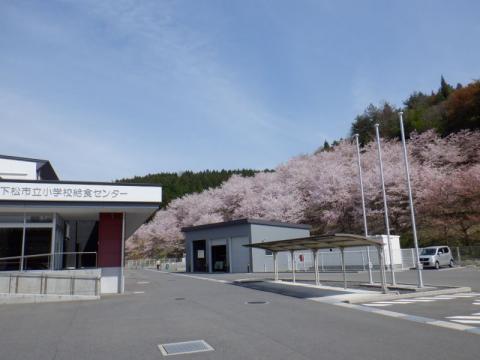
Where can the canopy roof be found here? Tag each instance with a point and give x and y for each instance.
(318, 242)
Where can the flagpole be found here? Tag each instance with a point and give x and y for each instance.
(410, 200)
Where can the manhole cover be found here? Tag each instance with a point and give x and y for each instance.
(186, 347)
(259, 302)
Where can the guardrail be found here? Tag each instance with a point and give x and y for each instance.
(50, 261)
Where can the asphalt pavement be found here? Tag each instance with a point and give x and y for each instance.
(163, 308)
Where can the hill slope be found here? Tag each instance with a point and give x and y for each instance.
(176, 185)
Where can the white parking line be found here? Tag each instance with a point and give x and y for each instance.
(440, 297)
(466, 317)
(467, 321)
(425, 299)
(387, 302)
(418, 319)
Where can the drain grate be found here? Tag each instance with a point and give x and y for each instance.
(179, 298)
(256, 302)
(186, 347)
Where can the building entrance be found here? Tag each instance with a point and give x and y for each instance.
(199, 256)
(219, 258)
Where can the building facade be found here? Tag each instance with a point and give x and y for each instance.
(219, 247)
(51, 225)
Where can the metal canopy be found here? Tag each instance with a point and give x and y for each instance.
(318, 242)
(315, 243)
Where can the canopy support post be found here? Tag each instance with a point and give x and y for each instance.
(383, 277)
(293, 265)
(275, 266)
(315, 264)
(343, 268)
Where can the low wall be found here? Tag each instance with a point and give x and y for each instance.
(68, 282)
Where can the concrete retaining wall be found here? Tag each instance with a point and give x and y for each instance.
(68, 282)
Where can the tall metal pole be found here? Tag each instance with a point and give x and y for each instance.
(385, 207)
(410, 199)
(370, 277)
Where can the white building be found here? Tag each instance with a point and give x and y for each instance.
(52, 225)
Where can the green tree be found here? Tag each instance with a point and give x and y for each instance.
(364, 125)
(176, 185)
(444, 91)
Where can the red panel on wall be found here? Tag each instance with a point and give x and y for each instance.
(110, 240)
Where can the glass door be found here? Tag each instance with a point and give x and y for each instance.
(38, 246)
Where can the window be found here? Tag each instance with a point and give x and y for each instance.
(429, 251)
(10, 246)
(268, 253)
(445, 250)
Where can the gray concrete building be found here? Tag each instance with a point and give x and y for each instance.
(219, 247)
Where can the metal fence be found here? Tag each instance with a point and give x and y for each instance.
(165, 264)
(355, 260)
(467, 255)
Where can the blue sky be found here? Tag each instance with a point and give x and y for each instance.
(110, 89)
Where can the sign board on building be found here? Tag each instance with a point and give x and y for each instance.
(37, 191)
(201, 254)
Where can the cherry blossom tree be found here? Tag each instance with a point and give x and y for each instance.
(322, 189)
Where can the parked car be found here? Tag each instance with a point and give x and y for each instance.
(436, 256)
